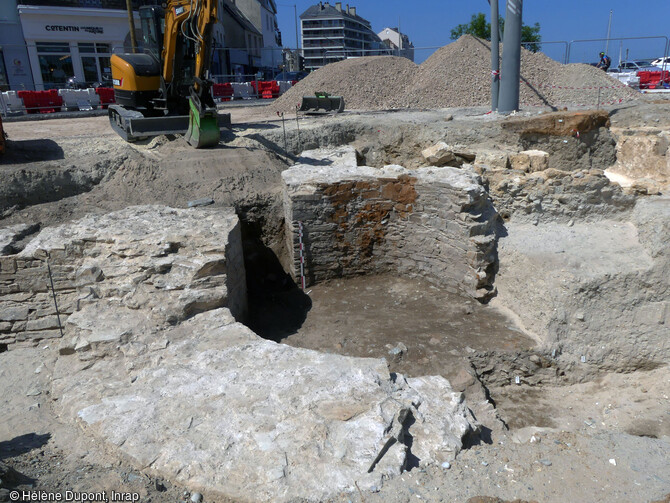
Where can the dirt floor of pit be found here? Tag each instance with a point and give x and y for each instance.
(419, 328)
(605, 440)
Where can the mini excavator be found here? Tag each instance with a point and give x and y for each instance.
(166, 89)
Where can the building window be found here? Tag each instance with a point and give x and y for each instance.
(95, 62)
(99, 48)
(55, 63)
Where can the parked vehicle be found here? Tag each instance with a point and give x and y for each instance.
(636, 66)
(663, 63)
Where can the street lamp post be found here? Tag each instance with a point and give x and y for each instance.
(495, 55)
(511, 61)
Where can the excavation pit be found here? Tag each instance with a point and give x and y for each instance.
(569, 295)
(419, 328)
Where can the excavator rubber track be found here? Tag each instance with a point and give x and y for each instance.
(132, 125)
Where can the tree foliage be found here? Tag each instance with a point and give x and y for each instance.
(479, 27)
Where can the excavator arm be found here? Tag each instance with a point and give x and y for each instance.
(191, 22)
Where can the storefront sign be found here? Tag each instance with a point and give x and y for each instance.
(87, 29)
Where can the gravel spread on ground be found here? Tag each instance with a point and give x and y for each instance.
(457, 75)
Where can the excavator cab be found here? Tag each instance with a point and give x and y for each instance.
(165, 90)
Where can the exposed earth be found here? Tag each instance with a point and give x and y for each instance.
(588, 419)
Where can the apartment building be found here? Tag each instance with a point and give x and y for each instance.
(398, 43)
(263, 15)
(331, 33)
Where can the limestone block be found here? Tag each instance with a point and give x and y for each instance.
(539, 160)
(530, 161)
(439, 154)
(88, 274)
(643, 154)
(19, 326)
(338, 157)
(36, 336)
(105, 322)
(14, 312)
(7, 264)
(492, 159)
(48, 322)
(10, 235)
(520, 161)
(297, 422)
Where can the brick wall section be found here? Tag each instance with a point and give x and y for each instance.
(434, 223)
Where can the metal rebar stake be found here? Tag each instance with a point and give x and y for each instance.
(297, 125)
(284, 126)
(53, 292)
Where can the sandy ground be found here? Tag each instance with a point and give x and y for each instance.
(420, 329)
(600, 441)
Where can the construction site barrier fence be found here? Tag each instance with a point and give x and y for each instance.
(64, 100)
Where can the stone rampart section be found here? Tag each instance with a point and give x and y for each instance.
(436, 223)
(175, 263)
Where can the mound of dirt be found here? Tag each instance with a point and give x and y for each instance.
(372, 82)
(457, 75)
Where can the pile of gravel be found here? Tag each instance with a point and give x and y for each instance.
(371, 83)
(457, 75)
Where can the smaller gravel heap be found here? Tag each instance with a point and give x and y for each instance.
(372, 82)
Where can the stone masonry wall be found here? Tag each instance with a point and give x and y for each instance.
(435, 223)
(175, 263)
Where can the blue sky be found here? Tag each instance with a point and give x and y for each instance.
(428, 22)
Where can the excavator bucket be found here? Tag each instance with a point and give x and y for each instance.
(322, 103)
(203, 128)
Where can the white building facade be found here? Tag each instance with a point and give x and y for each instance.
(262, 14)
(398, 42)
(66, 42)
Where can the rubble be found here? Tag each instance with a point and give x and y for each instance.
(439, 154)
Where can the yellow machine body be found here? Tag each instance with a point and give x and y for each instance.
(125, 77)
